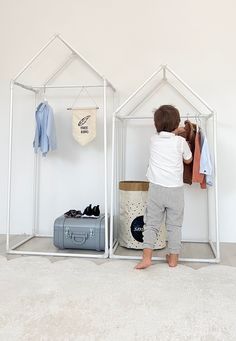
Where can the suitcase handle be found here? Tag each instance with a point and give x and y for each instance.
(79, 238)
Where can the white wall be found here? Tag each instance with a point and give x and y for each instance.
(127, 40)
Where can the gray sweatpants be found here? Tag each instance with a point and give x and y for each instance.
(164, 202)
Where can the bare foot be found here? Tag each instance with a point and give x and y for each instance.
(172, 259)
(145, 263)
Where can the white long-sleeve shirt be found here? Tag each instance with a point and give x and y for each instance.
(167, 152)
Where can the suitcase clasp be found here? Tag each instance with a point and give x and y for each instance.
(91, 233)
(68, 234)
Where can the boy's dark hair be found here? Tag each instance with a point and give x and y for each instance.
(166, 118)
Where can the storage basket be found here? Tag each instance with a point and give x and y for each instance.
(133, 199)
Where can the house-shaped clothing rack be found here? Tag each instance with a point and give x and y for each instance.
(103, 83)
(204, 111)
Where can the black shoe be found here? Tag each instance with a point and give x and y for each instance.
(70, 214)
(88, 211)
(96, 211)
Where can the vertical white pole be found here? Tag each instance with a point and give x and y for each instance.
(208, 194)
(123, 149)
(35, 187)
(216, 187)
(125, 122)
(120, 147)
(113, 182)
(105, 161)
(9, 168)
(115, 173)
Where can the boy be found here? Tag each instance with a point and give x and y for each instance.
(166, 192)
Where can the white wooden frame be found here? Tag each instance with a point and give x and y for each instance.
(118, 160)
(35, 89)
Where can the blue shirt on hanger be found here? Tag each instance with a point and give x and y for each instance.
(205, 161)
(45, 132)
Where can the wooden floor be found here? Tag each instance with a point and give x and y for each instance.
(190, 250)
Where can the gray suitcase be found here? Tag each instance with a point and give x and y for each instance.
(80, 233)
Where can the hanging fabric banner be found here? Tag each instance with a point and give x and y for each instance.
(84, 124)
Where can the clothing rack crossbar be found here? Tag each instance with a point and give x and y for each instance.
(69, 86)
(151, 117)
